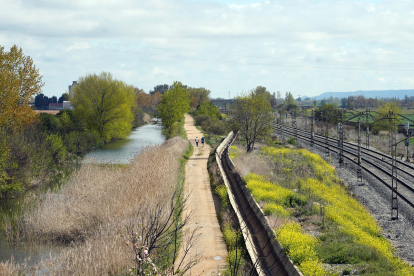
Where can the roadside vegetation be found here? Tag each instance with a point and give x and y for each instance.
(322, 228)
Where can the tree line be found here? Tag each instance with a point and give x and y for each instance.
(42, 101)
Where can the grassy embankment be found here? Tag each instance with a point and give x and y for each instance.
(92, 213)
(314, 216)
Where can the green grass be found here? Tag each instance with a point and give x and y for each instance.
(213, 140)
(336, 248)
(181, 131)
(164, 262)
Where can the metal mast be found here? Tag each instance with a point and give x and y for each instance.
(366, 120)
(312, 131)
(359, 169)
(326, 135)
(394, 199)
(295, 131)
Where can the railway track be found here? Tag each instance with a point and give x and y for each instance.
(404, 168)
(372, 162)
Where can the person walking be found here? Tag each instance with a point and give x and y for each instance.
(202, 141)
(196, 140)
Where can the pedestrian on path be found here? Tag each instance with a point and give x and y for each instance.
(202, 141)
(196, 140)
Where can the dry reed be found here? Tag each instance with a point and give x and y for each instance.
(95, 205)
(246, 163)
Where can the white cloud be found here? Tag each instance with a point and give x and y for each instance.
(286, 45)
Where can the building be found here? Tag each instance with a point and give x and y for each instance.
(55, 106)
(74, 84)
(67, 105)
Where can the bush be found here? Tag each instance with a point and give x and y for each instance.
(221, 191)
(211, 125)
(292, 140)
(275, 209)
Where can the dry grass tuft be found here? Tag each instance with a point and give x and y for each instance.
(246, 163)
(97, 202)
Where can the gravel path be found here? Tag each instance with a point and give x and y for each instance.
(204, 210)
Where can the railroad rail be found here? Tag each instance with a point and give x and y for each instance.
(374, 159)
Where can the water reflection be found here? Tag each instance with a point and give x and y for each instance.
(123, 151)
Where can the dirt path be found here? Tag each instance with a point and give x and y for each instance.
(201, 203)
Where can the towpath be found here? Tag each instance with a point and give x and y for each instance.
(201, 202)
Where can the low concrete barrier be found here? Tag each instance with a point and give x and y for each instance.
(290, 268)
(244, 229)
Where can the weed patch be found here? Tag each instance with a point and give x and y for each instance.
(302, 187)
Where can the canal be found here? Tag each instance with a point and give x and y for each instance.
(118, 152)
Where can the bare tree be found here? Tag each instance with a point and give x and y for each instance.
(156, 239)
(252, 113)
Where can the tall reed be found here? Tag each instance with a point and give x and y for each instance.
(97, 203)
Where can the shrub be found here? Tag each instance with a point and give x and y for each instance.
(234, 152)
(275, 209)
(359, 238)
(292, 140)
(300, 248)
(221, 191)
(272, 193)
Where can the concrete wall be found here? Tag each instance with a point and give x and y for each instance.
(286, 262)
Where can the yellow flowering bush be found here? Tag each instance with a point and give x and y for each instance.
(312, 267)
(300, 247)
(339, 202)
(230, 236)
(234, 152)
(275, 209)
(221, 191)
(272, 193)
(348, 215)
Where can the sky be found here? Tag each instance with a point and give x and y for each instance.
(306, 47)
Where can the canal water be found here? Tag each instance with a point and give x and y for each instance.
(123, 151)
(118, 152)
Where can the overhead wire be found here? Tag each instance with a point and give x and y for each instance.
(240, 63)
(210, 53)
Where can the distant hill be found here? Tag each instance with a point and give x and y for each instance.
(368, 94)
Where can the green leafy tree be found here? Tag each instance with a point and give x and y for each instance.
(384, 112)
(261, 90)
(64, 97)
(328, 112)
(209, 109)
(252, 114)
(105, 105)
(289, 103)
(200, 94)
(19, 82)
(173, 105)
